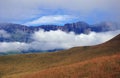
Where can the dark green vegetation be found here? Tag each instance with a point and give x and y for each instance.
(78, 62)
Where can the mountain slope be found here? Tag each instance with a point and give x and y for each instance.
(17, 66)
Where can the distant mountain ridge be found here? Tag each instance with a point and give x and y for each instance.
(22, 33)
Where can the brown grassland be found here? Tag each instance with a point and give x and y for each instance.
(100, 61)
(103, 67)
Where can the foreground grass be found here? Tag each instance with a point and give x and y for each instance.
(103, 67)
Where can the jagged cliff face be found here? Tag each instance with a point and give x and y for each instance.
(22, 33)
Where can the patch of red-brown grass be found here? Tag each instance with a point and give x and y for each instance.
(102, 67)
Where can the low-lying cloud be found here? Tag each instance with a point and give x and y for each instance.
(4, 34)
(60, 39)
(49, 40)
(12, 46)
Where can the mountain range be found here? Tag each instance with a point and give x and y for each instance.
(22, 33)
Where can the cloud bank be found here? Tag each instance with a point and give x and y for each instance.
(4, 34)
(13, 46)
(44, 40)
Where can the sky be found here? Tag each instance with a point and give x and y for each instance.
(59, 12)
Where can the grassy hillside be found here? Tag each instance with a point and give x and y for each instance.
(103, 67)
(43, 65)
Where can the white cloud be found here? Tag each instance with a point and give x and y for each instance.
(55, 19)
(4, 34)
(60, 39)
(44, 40)
(12, 46)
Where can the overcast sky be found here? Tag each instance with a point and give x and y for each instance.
(36, 12)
